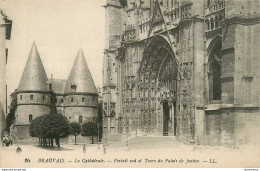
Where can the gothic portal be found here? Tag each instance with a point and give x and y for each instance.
(158, 87)
(182, 67)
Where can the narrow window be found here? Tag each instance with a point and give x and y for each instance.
(21, 97)
(208, 3)
(212, 23)
(56, 100)
(216, 22)
(50, 86)
(72, 100)
(6, 53)
(30, 118)
(61, 100)
(31, 97)
(43, 97)
(83, 99)
(80, 119)
(216, 74)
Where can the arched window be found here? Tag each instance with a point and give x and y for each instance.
(211, 24)
(80, 119)
(215, 72)
(30, 118)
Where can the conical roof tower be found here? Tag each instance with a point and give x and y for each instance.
(34, 76)
(80, 77)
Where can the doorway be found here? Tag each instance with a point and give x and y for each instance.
(175, 118)
(166, 117)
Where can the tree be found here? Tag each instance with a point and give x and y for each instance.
(89, 129)
(12, 108)
(75, 129)
(48, 127)
(56, 127)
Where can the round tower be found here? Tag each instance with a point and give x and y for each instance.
(33, 94)
(80, 96)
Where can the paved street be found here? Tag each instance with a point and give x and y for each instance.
(145, 149)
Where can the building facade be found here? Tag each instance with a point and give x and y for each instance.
(5, 34)
(182, 68)
(76, 98)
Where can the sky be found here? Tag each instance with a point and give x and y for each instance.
(59, 28)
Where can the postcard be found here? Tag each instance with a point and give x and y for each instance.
(129, 84)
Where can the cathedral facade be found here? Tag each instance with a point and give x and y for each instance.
(76, 98)
(182, 68)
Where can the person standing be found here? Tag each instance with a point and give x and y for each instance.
(84, 148)
(18, 150)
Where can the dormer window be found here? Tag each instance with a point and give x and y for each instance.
(50, 86)
(73, 88)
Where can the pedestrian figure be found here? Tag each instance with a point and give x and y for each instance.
(84, 148)
(104, 150)
(11, 140)
(18, 150)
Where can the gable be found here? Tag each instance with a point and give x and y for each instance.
(157, 23)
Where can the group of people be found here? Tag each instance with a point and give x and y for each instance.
(7, 141)
(84, 148)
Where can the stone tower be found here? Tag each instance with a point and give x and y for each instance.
(80, 96)
(114, 15)
(33, 94)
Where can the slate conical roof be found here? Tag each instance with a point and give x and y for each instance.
(34, 76)
(80, 76)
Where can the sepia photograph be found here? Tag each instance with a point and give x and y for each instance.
(130, 84)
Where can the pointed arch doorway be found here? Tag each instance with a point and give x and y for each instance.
(157, 87)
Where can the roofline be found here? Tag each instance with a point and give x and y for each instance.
(80, 93)
(34, 91)
(59, 94)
